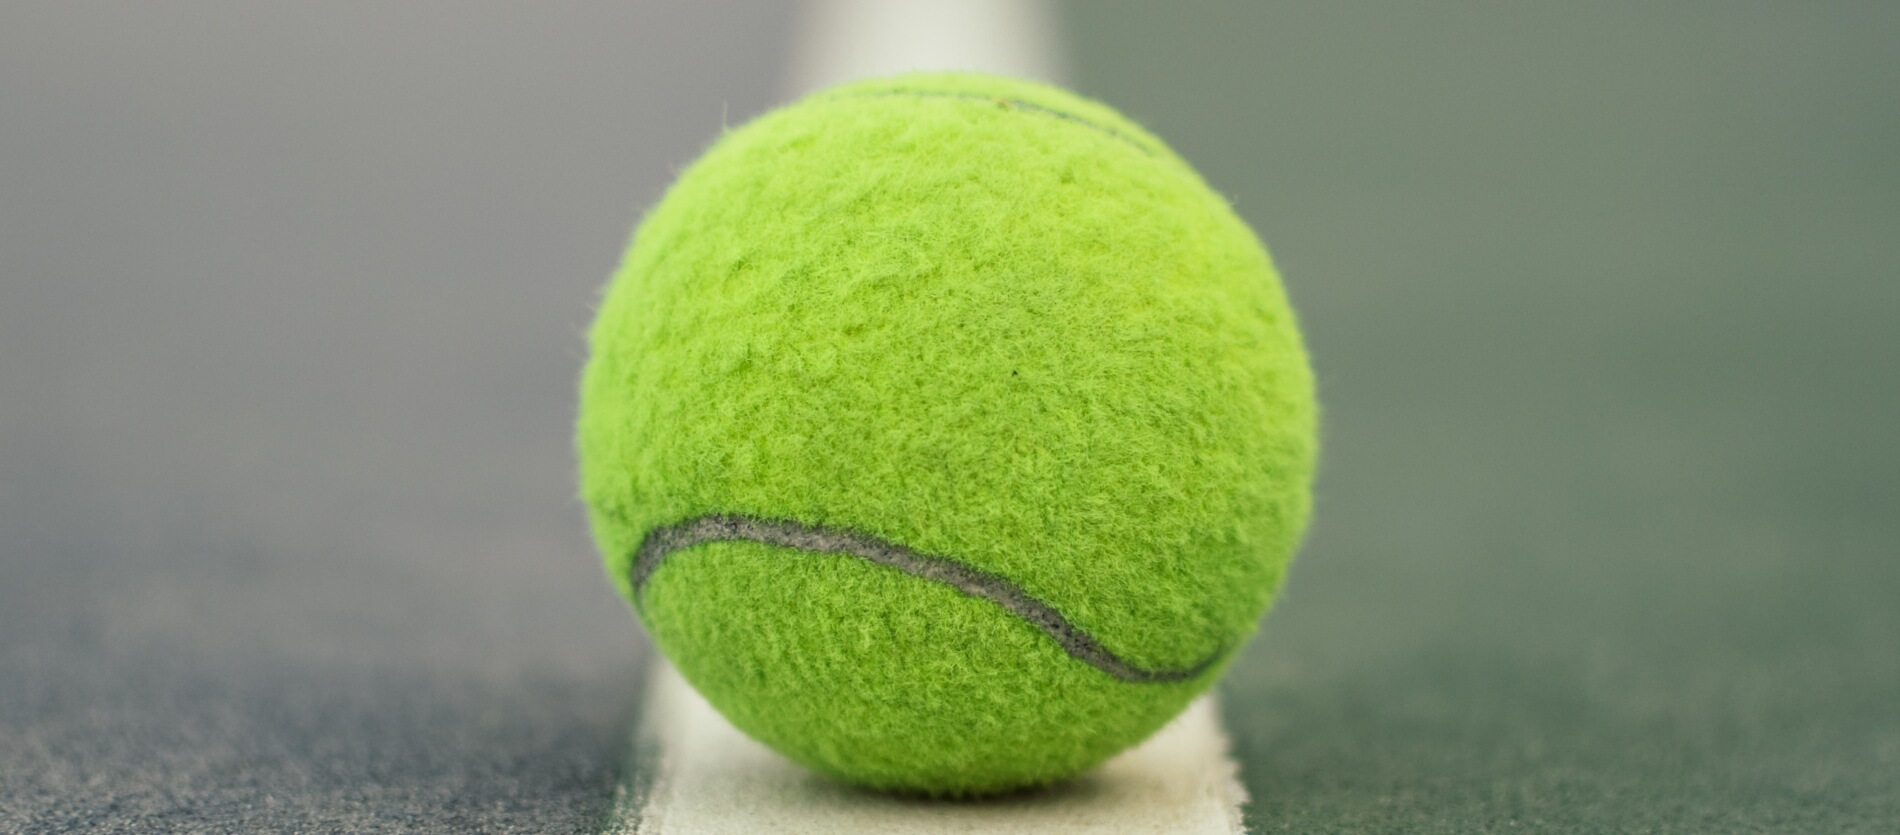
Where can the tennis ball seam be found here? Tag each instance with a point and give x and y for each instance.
(1018, 104)
(666, 540)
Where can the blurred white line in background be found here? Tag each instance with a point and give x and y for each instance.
(839, 40)
(696, 773)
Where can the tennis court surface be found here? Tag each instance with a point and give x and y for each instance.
(1602, 301)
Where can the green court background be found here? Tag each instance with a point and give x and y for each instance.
(1605, 303)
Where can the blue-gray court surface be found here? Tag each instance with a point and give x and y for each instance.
(1605, 303)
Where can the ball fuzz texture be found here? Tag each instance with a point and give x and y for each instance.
(946, 431)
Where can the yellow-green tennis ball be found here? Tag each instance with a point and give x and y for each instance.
(946, 431)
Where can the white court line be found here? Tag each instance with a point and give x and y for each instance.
(694, 773)
(839, 40)
(708, 777)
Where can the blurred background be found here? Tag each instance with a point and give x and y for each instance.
(1603, 301)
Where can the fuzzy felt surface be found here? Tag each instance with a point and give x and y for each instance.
(984, 319)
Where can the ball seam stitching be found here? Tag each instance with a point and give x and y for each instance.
(666, 540)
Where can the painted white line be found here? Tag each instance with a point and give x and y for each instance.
(708, 777)
(695, 773)
(839, 40)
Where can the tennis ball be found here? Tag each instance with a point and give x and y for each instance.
(946, 432)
